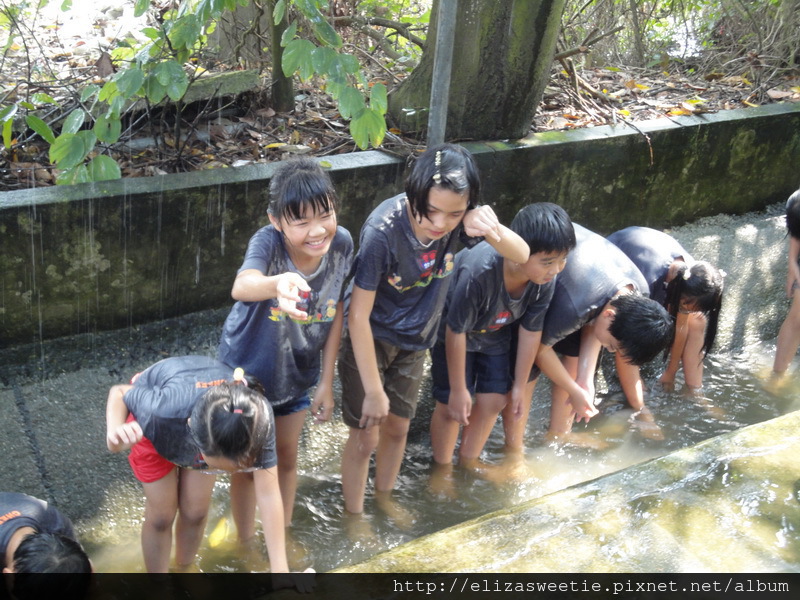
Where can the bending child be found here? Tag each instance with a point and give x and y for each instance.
(184, 419)
(401, 274)
(691, 291)
(598, 303)
(789, 334)
(489, 296)
(289, 313)
(35, 539)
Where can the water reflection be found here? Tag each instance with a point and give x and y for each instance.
(326, 538)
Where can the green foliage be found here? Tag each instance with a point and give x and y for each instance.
(340, 70)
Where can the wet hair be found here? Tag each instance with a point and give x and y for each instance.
(232, 421)
(49, 565)
(298, 184)
(793, 214)
(642, 326)
(446, 166)
(702, 285)
(545, 227)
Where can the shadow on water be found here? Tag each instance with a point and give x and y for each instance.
(63, 384)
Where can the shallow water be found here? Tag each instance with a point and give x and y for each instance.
(326, 539)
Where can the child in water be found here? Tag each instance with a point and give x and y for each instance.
(789, 334)
(289, 312)
(489, 298)
(401, 274)
(690, 290)
(184, 419)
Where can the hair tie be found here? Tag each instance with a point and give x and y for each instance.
(238, 376)
(687, 273)
(237, 411)
(437, 176)
(722, 273)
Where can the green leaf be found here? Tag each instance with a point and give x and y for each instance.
(67, 151)
(322, 57)
(279, 11)
(77, 174)
(368, 127)
(140, 7)
(108, 91)
(324, 31)
(172, 76)
(151, 33)
(40, 127)
(42, 98)
(298, 57)
(288, 35)
(74, 121)
(8, 132)
(378, 98)
(129, 81)
(103, 168)
(185, 32)
(154, 91)
(8, 113)
(107, 129)
(89, 91)
(351, 103)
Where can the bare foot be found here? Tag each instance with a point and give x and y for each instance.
(581, 439)
(403, 518)
(296, 553)
(359, 529)
(441, 483)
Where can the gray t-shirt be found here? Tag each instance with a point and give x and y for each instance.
(479, 305)
(596, 270)
(652, 252)
(281, 352)
(410, 279)
(162, 400)
(20, 510)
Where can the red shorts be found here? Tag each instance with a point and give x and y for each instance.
(147, 464)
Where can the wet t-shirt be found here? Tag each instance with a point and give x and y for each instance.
(596, 270)
(409, 278)
(652, 252)
(283, 353)
(21, 510)
(162, 400)
(479, 305)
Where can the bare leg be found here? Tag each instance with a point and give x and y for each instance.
(788, 337)
(390, 451)
(160, 508)
(514, 426)
(561, 416)
(444, 434)
(484, 415)
(194, 498)
(357, 451)
(287, 432)
(692, 357)
(243, 506)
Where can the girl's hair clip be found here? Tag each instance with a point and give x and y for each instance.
(238, 377)
(722, 274)
(237, 411)
(687, 273)
(437, 176)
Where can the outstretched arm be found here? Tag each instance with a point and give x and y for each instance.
(251, 285)
(120, 435)
(459, 404)
(582, 400)
(527, 349)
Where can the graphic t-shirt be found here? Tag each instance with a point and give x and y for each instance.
(162, 400)
(409, 278)
(652, 252)
(595, 272)
(283, 353)
(21, 510)
(479, 305)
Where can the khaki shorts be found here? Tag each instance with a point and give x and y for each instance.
(401, 374)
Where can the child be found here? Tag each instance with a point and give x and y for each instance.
(184, 419)
(37, 538)
(400, 281)
(288, 311)
(691, 292)
(473, 354)
(598, 303)
(789, 334)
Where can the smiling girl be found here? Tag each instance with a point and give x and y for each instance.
(286, 325)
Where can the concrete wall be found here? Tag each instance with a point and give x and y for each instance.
(116, 254)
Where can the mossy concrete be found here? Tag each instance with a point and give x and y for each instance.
(115, 254)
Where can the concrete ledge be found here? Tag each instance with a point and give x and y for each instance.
(115, 254)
